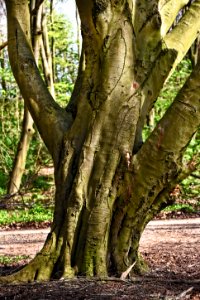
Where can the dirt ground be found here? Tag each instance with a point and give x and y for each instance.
(171, 248)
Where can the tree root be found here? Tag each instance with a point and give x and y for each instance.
(47, 264)
(39, 269)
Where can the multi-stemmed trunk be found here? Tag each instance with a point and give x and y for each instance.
(108, 186)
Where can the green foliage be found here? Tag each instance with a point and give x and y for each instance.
(11, 112)
(3, 182)
(42, 182)
(9, 260)
(65, 56)
(38, 213)
(9, 89)
(172, 87)
(65, 62)
(168, 94)
(11, 104)
(180, 207)
(191, 185)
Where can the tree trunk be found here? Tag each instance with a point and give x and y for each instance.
(2, 65)
(47, 55)
(105, 195)
(22, 150)
(78, 33)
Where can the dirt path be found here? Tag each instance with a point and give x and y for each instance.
(171, 248)
(22, 242)
(176, 234)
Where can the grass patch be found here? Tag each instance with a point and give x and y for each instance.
(180, 207)
(37, 213)
(8, 260)
(43, 182)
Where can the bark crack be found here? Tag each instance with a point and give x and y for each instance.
(17, 45)
(191, 107)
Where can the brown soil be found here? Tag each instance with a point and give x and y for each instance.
(171, 249)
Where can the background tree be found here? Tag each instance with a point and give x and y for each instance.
(109, 185)
(9, 105)
(27, 125)
(42, 54)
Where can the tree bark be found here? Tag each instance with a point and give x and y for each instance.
(105, 195)
(2, 65)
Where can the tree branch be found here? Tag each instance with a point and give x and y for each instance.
(37, 6)
(2, 46)
(185, 32)
(172, 50)
(169, 11)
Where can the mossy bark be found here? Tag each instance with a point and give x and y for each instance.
(105, 195)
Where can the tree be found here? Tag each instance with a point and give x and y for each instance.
(41, 38)
(109, 184)
(36, 12)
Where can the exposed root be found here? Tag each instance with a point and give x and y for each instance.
(39, 269)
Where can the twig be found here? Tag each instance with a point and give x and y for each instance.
(2, 46)
(175, 281)
(116, 279)
(195, 176)
(184, 293)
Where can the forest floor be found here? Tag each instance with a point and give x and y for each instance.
(170, 247)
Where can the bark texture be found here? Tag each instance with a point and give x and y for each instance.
(105, 195)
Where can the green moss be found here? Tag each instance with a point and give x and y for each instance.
(141, 266)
